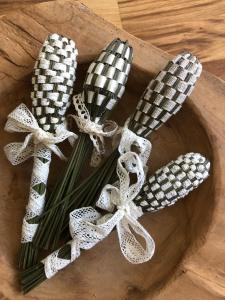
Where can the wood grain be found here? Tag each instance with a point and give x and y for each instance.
(189, 260)
(107, 9)
(197, 25)
(9, 5)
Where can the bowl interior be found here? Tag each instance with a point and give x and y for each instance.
(102, 272)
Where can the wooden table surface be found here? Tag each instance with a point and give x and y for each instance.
(196, 25)
(107, 9)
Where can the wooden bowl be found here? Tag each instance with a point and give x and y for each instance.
(188, 263)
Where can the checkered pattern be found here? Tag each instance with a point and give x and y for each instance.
(166, 93)
(107, 75)
(53, 79)
(174, 181)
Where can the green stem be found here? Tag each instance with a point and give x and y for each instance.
(45, 235)
(77, 167)
(89, 196)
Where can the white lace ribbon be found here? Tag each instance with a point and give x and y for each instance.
(96, 131)
(40, 144)
(88, 227)
(131, 142)
(22, 120)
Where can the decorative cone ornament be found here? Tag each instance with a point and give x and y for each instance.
(166, 93)
(53, 80)
(173, 182)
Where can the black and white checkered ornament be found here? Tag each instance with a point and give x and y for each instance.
(106, 77)
(53, 80)
(166, 93)
(172, 182)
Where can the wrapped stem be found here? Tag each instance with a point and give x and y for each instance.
(35, 205)
(35, 275)
(53, 79)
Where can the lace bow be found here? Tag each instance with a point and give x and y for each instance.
(96, 131)
(88, 227)
(22, 120)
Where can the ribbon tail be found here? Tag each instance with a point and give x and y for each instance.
(104, 201)
(131, 248)
(21, 119)
(62, 133)
(55, 149)
(98, 151)
(72, 140)
(89, 227)
(17, 153)
(82, 226)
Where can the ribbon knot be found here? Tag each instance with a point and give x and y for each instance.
(22, 120)
(96, 131)
(40, 136)
(130, 210)
(87, 126)
(125, 208)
